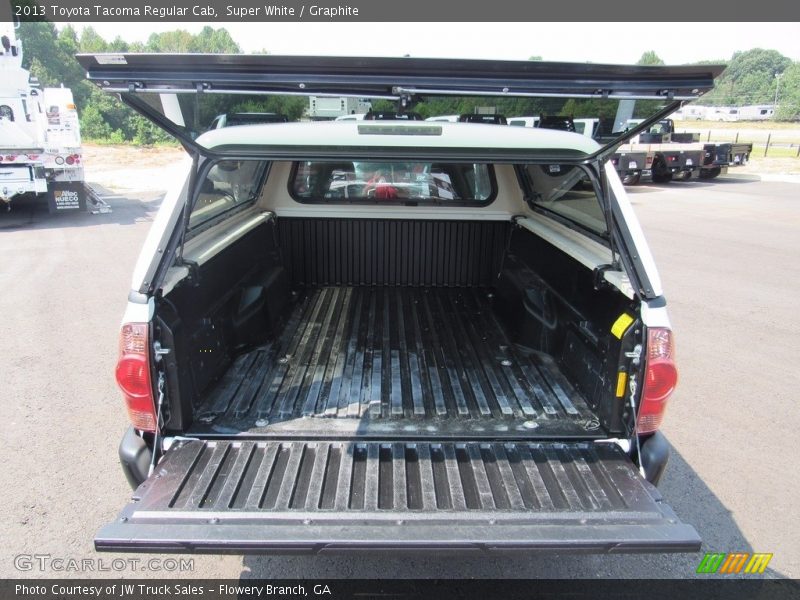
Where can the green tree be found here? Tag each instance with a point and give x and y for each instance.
(650, 58)
(215, 41)
(789, 94)
(749, 78)
(91, 41)
(93, 125)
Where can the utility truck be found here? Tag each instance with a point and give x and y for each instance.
(40, 139)
(717, 156)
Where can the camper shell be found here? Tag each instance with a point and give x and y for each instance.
(393, 335)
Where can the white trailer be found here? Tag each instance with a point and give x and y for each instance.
(691, 112)
(757, 112)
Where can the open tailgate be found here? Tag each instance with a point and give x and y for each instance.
(288, 496)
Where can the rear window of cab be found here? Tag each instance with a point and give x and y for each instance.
(402, 182)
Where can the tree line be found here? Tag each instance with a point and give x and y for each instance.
(755, 76)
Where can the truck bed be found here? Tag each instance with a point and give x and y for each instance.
(392, 362)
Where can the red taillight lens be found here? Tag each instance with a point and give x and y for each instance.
(133, 376)
(10, 158)
(660, 379)
(33, 156)
(70, 160)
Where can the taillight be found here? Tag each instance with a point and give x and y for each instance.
(133, 376)
(660, 379)
(33, 156)
(70, 160)
(10, 158)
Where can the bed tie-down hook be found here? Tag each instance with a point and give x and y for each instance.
(159, 351)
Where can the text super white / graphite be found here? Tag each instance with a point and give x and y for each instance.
(278, 10)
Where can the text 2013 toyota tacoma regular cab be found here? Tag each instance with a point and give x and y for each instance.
(388, 334)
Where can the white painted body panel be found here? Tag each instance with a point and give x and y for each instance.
(346, 134)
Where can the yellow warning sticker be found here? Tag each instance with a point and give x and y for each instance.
(621, 325)
(622, 378)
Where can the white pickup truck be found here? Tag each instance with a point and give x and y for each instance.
(393, 335)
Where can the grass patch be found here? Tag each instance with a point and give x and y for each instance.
(130, 144)
(766, 125)
(774, 151)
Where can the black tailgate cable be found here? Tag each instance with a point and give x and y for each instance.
(159, 404)
(632, 386)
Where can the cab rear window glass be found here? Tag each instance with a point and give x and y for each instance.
(229, 185)
(392, 182)
(566, 191)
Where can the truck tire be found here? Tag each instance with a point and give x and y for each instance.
(661, 174)
(710, 173)
(682, 176)
(631, 179)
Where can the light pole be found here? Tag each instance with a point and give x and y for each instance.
(777, 85)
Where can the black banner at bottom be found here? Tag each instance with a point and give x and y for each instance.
(347, 589)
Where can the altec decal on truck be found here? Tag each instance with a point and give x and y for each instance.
(40, 140)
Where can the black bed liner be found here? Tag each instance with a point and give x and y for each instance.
(395, 361)
(263, 496)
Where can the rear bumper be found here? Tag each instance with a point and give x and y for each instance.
(655, 455)
(134, 457)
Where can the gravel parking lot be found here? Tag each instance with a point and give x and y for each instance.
(728, 256)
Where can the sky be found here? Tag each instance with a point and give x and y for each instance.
(675, 43)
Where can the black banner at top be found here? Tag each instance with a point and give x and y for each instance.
(244, 11)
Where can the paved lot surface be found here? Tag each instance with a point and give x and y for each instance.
(728, 253)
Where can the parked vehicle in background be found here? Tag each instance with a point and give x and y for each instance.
(759, 112)
(559, 122)
(389, 336)
(444, 118)
(352, 117)
(727, 114)
(524, 121)
(40, 139)
(324, 108)
(717, 156)
(691, 112)
(247, 118)
(481, 118)
(388, 115)
(664, 158)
